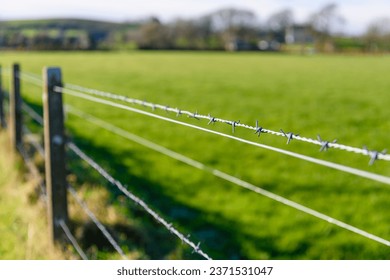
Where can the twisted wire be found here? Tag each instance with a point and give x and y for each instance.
(34, 171)
(72, 239)
(31, 112)
(101, 227)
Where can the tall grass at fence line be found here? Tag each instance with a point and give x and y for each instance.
(23, 228)
(338, 97)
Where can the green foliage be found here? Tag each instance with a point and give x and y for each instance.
(344, 44)
(343, 97)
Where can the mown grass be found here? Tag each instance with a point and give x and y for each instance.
(335, 96)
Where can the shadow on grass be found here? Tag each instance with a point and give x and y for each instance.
(218, 236)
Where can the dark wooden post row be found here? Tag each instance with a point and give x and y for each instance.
(2, 115)
(15, 102)
(54, 153)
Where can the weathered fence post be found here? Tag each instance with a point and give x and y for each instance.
(2, 115)
(54, 153)
(15, 102)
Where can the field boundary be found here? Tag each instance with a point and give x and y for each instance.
(56, 142)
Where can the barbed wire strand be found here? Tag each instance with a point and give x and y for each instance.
(136, 199)
(343, 168)
(34, 172)
(72, 240)
(325, 145)
(35, 143)
(32, 113)
(257, 129)
(30, 138)
(222, 175)
(101, 227)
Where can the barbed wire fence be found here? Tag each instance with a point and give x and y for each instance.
(38, 147)
(108, 99)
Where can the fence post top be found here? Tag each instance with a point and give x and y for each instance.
(52, 71)
(52, 77)
(50, 68)
(15, 68)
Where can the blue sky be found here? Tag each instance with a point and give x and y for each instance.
(358, 13)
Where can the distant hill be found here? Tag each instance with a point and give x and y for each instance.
(61, 34)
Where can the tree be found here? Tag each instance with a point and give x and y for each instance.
(184, 34)
(234, 24)
(208, 39)
(281, 20)
(377, 36)
(153, 35)
(323, 23)
(279, 24)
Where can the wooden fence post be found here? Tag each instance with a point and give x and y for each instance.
(54, 153)
(2, 115)
(15, 102)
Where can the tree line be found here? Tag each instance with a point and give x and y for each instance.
(225, 29)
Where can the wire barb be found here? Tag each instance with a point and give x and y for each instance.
(325, 145)
(100, 226)
(374, 155)
(212, 120)
(259, 129)
(234, 124)
(290, 136)
(194, 116)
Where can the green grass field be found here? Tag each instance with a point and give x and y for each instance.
(343, 97)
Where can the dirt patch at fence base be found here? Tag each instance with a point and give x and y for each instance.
(23, 229)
